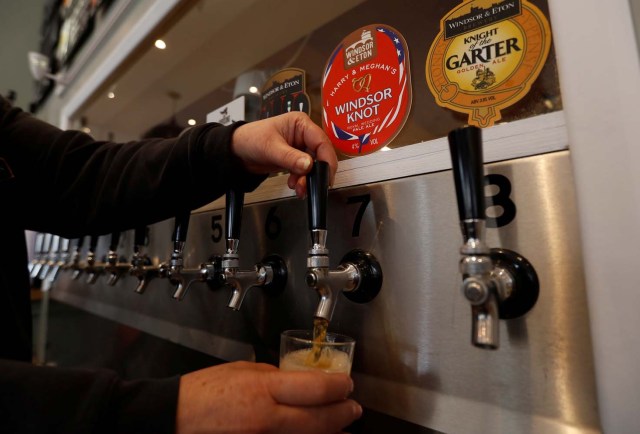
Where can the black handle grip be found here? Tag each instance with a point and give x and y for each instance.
(93, 243)
(79, 243)
(318, 193)
(140, 236)
(181, 226)
(115, 240)
(465, 145)
(234, 204)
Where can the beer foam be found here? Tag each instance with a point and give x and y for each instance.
(331, 361)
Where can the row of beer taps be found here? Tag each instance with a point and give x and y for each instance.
(498, 283)
(359, 274)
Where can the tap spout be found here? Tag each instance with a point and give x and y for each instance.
(330, 283)
(485, 323)
(242, 281)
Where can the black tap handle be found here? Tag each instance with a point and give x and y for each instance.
(79, 244)
(465, 145)
(93, 243)
(115, 240)
(234, 204)
(181, 226)
(139, 237)
(318, 192)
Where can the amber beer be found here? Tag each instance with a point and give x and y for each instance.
(304, 350)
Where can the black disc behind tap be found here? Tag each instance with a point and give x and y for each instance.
(526, 286)
(370, 275)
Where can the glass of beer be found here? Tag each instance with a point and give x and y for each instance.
(300, 352)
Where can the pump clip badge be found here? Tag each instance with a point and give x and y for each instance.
(284, 92)
(366, 90)
(486, 57)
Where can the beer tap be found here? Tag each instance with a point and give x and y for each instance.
(75, 264)
(59, 263)
(359, 275)
(141, 267)
(51, 257)
(37, 251)
(114, 267)
(499, 283)
(42, 256)
(93, 268)
(270, 274)
(174, 270)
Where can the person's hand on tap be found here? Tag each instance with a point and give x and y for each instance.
(289, 141)
(248, 398)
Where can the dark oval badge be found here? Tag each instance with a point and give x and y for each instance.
(366, 90)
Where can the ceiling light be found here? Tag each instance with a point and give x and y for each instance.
(111, 95)
(160, 44)
(253, 89)
(191, 122)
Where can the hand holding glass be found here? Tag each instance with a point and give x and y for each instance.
(299, 352)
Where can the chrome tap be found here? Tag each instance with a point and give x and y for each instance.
(75, 264)
(37, 251)
(115, 267)
(59, 263)
(498, 283)
(359, 275)
(42, 256)
(270, 274)
(93, 268)
(174, 270)
(141, 266)
(52, 244)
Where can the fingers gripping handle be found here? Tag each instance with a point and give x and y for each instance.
(465, 145)
(318, 192)
(234, 205)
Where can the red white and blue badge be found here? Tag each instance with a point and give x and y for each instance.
(366, 90)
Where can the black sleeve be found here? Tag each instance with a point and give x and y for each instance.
(37, 399)
(76, 185)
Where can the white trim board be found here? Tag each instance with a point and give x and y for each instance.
(532, 136)
(155, 13)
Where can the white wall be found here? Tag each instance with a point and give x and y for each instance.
(19, 33)
(599, 70)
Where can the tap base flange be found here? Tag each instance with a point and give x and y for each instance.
(526, 286)
(370, 273)
(280, 274)
(215, 280)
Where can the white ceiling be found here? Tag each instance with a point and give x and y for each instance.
(208, 45)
